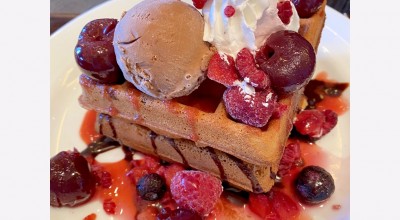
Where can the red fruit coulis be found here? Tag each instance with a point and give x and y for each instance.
(231, 205)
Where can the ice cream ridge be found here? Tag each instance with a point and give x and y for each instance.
(214, 86)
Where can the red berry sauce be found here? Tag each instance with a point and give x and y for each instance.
(121, 200)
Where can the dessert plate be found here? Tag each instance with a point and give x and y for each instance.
(66, 114)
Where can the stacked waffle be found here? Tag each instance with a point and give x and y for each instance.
(196, 130)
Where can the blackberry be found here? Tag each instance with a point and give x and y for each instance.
(151, 187)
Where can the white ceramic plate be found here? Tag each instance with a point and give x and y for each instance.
(66, 114)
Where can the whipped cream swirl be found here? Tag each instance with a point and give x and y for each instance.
(253, 22)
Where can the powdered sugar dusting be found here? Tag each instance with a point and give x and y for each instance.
(224, 57)
(267, 99)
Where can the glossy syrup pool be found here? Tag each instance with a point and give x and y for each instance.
(231, 205)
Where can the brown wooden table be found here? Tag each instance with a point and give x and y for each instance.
(62, 11)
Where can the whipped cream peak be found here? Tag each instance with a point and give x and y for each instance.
(249, 27)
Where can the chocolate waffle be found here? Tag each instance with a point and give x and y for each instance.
(196, 130)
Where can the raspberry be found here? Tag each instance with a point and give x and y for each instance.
(315, 123)
(221, 69)
(103, 177)
(291, 157)
(109, 206)
(284, 11)
(199, 4)
(195, 190)
(229, 11)
(274, 205)
(254, 109)
(246, 65)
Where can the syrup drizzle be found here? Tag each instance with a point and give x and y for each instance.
(173, 144)
(247, 172)
(109, 120)
(153, 137)
(217, 162)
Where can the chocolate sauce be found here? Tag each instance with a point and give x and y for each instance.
(153, 137)
(109, 120)
(99, 146)
(217, 162)
(173, 144)
(247, 172)
(316, 90)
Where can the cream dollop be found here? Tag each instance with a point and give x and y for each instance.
(253, 22)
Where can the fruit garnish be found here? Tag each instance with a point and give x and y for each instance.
(151, 187)
(274, 205)
(248, 70)
(251, 107)
(177, 214)
(306, 8)
(221, 69)
(291, 158)
(315, 123)
(288, 59)
(148, 164)
(285, 11)
(314, 185)
(229, 11)
(71, 182)
(199, 4)
(109, 206)
(103, 177)
(94, 52)
(168, 172)
(195, 190)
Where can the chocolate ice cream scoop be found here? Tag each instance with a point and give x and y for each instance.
(159, 47)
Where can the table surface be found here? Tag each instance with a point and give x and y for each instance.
(62, 11)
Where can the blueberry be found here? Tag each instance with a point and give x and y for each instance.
(314, 185)
(151, 187)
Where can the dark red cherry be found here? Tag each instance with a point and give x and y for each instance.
(94, 52)
(306, 8)
(314, 185)
(288, 59)
(71, 182)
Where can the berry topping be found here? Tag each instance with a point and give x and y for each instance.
(71, 182)
(291, 157)
(151, 187)
(168, 172)
(103, 177)
(94, 52)
(251, 107)
(288, 59)
(315, 123)
(177, 214)
(141, 167)
(221, 69)
(285, 11)
(306, 8)
(229, 11)
(195, 190)
(247, 68)
(314, 185)
(109, 206)
(274, 205)
(199, 4)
